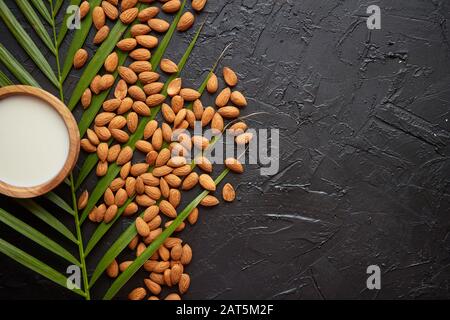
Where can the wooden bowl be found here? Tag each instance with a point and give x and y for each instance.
(74, 142)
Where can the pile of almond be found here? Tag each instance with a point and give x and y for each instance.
(156, 185)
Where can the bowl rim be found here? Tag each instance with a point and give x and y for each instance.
(74, 142)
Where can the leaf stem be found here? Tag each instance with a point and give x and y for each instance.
(72, 186)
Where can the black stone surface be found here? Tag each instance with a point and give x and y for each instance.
(364, 169)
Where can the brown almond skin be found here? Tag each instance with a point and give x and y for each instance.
(83, 200)
(174, 87)
(148, 13)
(137, 294)
(184, 283)
(80, 58)
(186, 21)
(101, 35)
(173, 296)
(238, 99)
(234, 165)
(228, 193)
(110, 213)
(186, 255)
(127, 44)
(98, 17)
(84, 9)
(142, 227)
(139, 29)
(158, 25)
(193, 216)
(147, 41)
(209, 201)
(113, 269)
(198, 5)
(213, 84)
(110, 10)
(128, 75)
(86, 98)
(87, 146)
(230, 76)
(111, 62)
(129, 15)
(223, 97)
(207, 182)
(168, 66)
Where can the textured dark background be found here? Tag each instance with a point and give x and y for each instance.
(364, 168)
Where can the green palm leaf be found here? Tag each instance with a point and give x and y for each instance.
(16, 68)
(158, 242)
(114, 169)
(47, 217)
(25, 41)
(40, 6)
(53, 197)
(34, 264)
(77, 41)
(63, 30)
(36, 23)
(36, 236)
(4, 80)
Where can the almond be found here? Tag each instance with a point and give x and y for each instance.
(110, 213)
(128, 75)
(121, 197)
(86, 98)
(144, 200)
(92, 136)
(234, 165)
(217, 124)
(148, 77)
(193, 216)
(153, 192)
(150, 213)
(175, 197)
(136, 93)
(174, 87)
(140, 54)
(130, 186)
(129, 15)
(158, 25)
(176, 162)
(209, 201)
(101, 35)
(116, 184)
(125, 106)
(244, 138)
(186, 21)
(102, 133)
(125, 155)
(229, 112)
(80, 58)
(162, 158)
(141, 108)
(118, 122)
(238, 99)
(144, 146)
(111, 62)
(111, 105)
(204, 164)
(127, 4)
(125, 171)
(198, 5)
(155, 100)
(166, 132)
(83, 200)
(163, 253)
(207, 182)
(177, 103)
(197, 108)
(200, 142)
(141, 66)
(189, 94)
(230, 76)
(87, 146)
(147, 41)
(110, 10)
(190, 181)
(150, 128)
(152, 286)
(237, 128)
(130, 209)
(102, 151)
(113, 269)
(153, 88)
(108, 197)
(113, 152)
(171, 6)
(223, 97)
(213, 84)
(148, 13)
(139, 29)
(173, 296)
(179, 117)
(124, 265)
(84, 9)
(127, 44)
(186, 255)
(207, 116)
(95, 84)
(100, 212)
(142, 227)
(106, 81)
(172, 180)
(157, 139)
(168, 66)
(182, 171)
(138, 169)
(102, 168)
(103, 118)
(137, 294)
(120, 92)
(184, 283)
(114, 2)
(120, 135)
(167, 209)
(151, 157)
(228, 193)
(132, 121)
(175, 254)
(98, 17)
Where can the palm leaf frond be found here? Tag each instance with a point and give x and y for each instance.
(4, 80)
(34, 264)
(36, 236)
(27, 43)
(53, 197)
(47, 217)
(40, 6)
(158, 242)
(16, 68)
(36, 23)
(59, 3)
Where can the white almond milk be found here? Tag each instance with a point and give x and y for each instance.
(34, 141)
